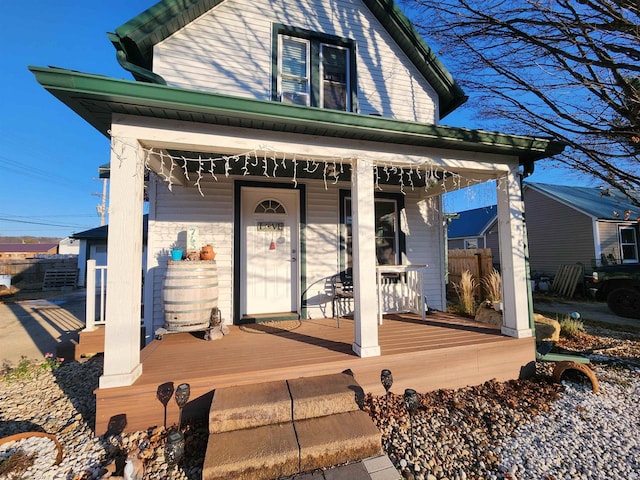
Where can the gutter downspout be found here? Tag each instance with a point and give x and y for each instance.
(138, 72)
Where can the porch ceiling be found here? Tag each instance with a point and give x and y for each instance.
(96, 98)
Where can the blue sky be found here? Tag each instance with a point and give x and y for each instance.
(49, 156)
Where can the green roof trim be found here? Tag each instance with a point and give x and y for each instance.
(138, 36)
(95, 98)
(141, 33)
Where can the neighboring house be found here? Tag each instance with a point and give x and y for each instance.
(565, 225)
(93, 246)
(476, 228)
(26, 250)
(568, 225)
(69, 246)
(304, 145)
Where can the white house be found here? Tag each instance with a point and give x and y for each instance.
(300, 138)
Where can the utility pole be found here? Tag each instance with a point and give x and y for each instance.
(102, 207)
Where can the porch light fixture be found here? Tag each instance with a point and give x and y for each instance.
(412, 402)
(182, 397)
(387, 380)
(174, 449)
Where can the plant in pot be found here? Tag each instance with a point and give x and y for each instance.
(176, 252)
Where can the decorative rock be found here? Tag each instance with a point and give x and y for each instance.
(465, 433)
(487, 314)
(547, 329)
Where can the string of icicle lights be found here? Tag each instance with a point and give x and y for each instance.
(273, 164)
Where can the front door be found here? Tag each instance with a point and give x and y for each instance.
(270, 250)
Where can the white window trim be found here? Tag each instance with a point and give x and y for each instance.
(634, 244)
(347, 74)
(308, 64)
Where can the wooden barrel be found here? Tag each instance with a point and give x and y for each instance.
(189, 295)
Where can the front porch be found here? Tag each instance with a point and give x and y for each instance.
(444, 351)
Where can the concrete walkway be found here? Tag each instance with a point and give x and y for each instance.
(36, 325)
(374, 468)
(588, 310)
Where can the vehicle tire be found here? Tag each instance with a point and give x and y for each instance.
(624, 302)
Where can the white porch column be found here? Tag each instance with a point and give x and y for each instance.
(364, 260)
(124, 263)
(512, 256)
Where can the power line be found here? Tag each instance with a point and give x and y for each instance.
(40, 223)
(32, 171)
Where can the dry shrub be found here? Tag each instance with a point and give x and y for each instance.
(16, 464)
(571, 327)
(466, 291)
(492, 284)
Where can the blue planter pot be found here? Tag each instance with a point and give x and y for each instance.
(176, 255)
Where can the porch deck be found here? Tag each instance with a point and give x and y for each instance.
(445, 351)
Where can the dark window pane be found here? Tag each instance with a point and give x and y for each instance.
(335, 96)
(629, 252)
(627, 235)
(334, 77)
(385, 233)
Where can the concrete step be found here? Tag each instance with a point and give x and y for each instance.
(285, 449)
(248, 406)
(337, 439)
(259, 453)
(324, 395)
(278, 429)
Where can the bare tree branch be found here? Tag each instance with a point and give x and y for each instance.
(569, 69)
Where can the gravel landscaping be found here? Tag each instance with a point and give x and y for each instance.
(525, 429)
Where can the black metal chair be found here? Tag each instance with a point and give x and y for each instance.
(342, 291)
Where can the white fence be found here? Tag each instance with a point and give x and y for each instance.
(400, 289)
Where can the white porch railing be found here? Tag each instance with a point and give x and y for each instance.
(400, 289)
(92, 293)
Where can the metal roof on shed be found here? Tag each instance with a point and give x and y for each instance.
(472, 223)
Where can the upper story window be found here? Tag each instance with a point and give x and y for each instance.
(293, 65)
(313, 69)
(334, 74)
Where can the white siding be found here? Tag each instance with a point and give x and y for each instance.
(228, 51)
(322, 244)
(173, 212)
(423, 227)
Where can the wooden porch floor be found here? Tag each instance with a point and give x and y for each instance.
(445, 351)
